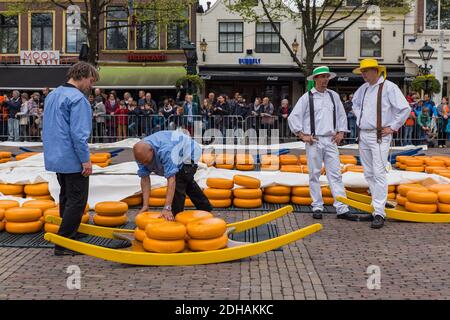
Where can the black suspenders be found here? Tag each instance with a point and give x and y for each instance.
(311, 113)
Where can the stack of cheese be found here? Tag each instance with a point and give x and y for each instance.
(245, 162)
(403, 190)
(443, 192)
(207, 234)
(250, 196)
(219, 192)
(38, 191)
(25, 219)
(134, 200)
(302, 196)
(225, 161)
(270, 162)
(164, 237)
(5, 156)
(25, 155)
(289, 163)
(354, 168)
(110, 213)
(157, 197)
(15, 190)
(142, 220)
(421, 201)
(209, 159)
(5, 205)
(348, 159)
(53, 228)
(277, 194)
(101, 159)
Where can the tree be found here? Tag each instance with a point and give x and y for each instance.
(161, 12)
(313, 17)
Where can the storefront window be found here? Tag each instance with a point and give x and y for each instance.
(117, 32)
(431, 14)
(336, 47)
(75, 38)
(231, 37)
(41, 31)
(370, 43)
(267, 40)
(9, 34)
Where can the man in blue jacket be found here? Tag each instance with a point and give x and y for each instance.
(174, 155)
(67, 127)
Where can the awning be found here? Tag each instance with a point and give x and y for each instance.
(268, 75)
(33, 78)
(139, 77)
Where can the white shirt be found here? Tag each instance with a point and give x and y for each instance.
(395, 108)
(299, 120)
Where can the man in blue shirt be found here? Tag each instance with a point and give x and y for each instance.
(67, 127)
(174, 155)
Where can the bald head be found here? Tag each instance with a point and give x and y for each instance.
(143, 153)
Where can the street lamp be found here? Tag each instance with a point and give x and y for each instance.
(203, 46)
(295, 46)
(426, 52)
(190, 51)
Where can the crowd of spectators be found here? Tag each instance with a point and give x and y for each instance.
(117, 117)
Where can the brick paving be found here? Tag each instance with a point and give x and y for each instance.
(331, 264)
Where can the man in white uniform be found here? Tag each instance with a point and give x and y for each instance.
(319, 119)
(381, 109)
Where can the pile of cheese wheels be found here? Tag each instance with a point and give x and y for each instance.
(25, 219)
(25, 155)
(157, 198)
(302, 196)
(196, 230)
(430, 164)
(415, 197)
(249, 193)
(219, 192)
(134, 200)
(5, 156)
(245, 162)
(101, 159)
(38, 191)
(110, 213)
(392, 191)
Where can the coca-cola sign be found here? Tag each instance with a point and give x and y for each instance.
(39, 57)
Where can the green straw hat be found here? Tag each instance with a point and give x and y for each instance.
(321, 70)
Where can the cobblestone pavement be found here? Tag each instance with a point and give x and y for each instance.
(331, 264)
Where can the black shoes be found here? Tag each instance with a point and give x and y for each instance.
(317, 214)
(378, 222)
(348, 216)
(65, 252)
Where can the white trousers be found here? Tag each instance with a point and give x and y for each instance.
(325, 151)
(374, 158)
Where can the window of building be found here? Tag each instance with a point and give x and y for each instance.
(75, 38)
(431, 14)
(267, 40)
(354, 3)
(147, 37)
(370, 43)
(41, 31)
(117, 32)
(9, 34)
(336, 47)
(178, 33)
(231, 37)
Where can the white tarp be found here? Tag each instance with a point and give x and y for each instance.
(129, 143)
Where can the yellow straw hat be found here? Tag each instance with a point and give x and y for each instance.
(370, 63)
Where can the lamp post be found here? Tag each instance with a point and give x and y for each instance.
(84, 52)
(190, 51)
(426, 52)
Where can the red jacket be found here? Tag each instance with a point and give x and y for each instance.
(121, 116)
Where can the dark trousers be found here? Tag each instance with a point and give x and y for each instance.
(186, 185)
(72, 202)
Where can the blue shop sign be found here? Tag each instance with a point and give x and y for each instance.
(249, 60)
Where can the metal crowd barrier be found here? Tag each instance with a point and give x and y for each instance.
(111, 128)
